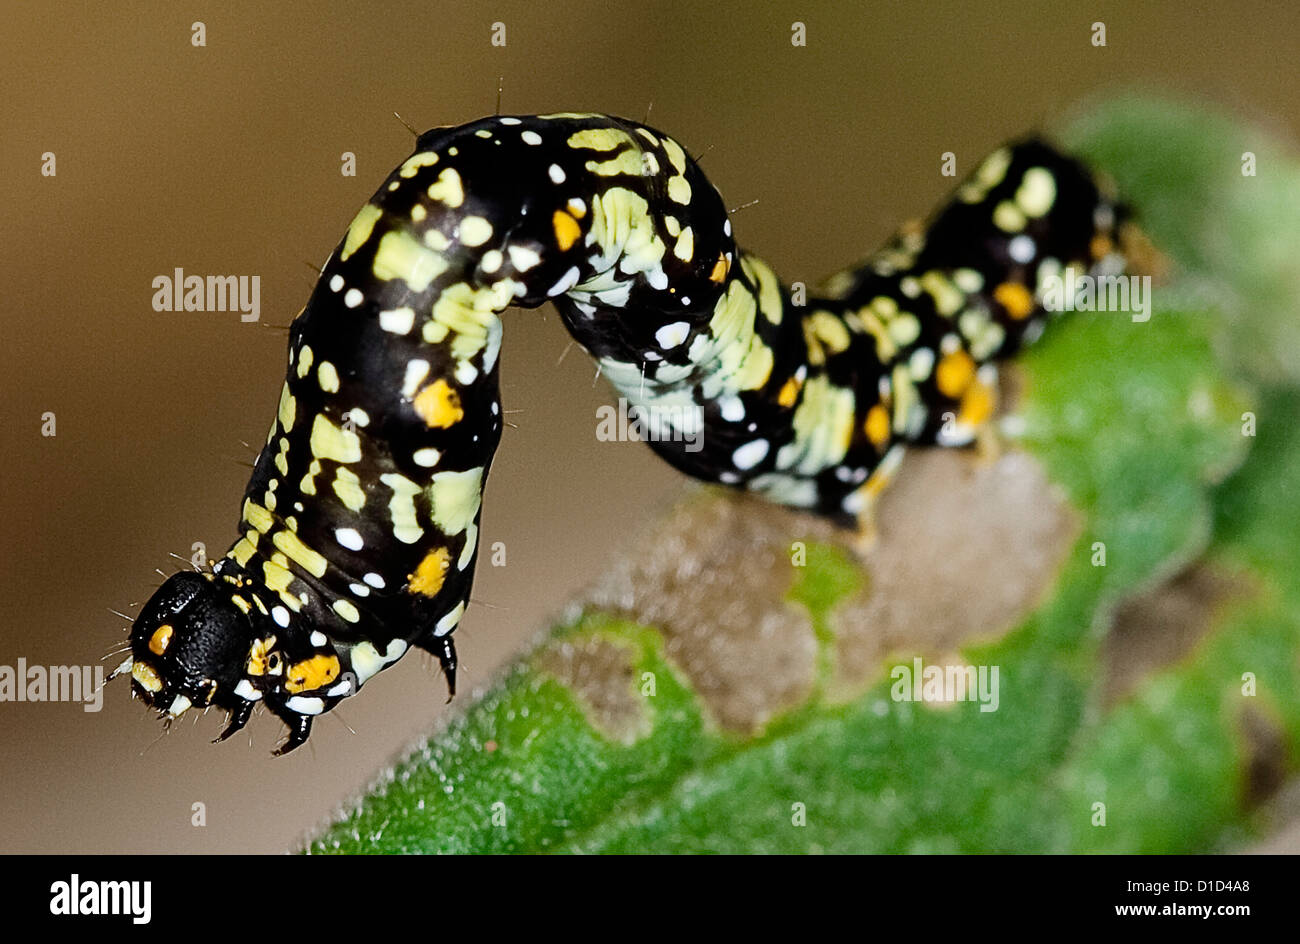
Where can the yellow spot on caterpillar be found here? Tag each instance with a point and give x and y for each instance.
(1015, 298)
(599, 139)
(311, 674)
(259, 656)
(401, 256)
(330, 442)
(363, 224)
(977, 405)
(679, 191)
(348, 488)
(438, 405)
(830, 330)
(288, 407)
(304, 360)
(769, 290)
(684, 249)
(411, 166)
(566, 228)
(277, 578)
(1008, 217)
(308, 484)
(328, 377)
(257, 516)
(1100, 246)
(719, 272)
(789, 393)
(628, 162)
(300, 553)
(143, 673)
(676, 156)
(243, 550)
(448, 188)
(947, 298)
(160, 638)
(428, 577)
(345, 609)
(877, 426)
(240, 602)
(454, 498)
(401, 507)
(1037, 192)
(475, 231)
(954, 373)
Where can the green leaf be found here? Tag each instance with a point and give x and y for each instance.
(730, 689)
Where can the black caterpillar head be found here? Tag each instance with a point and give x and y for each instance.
(188, 645)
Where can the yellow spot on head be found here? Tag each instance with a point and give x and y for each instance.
(160, 638)
(719, 272)
(954, 373)
(311, 674)
(438, 405)
(428, 577)
(566, 228)
(1015, 298)
(143, 673)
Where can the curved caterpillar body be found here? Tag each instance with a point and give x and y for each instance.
(359, 527)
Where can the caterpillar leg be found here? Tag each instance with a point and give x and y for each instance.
(868, 494)
(445, 649)
(238, 718)
(299, 731)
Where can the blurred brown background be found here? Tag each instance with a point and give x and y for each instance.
(225, 160)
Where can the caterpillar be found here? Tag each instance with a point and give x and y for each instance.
(360, 524)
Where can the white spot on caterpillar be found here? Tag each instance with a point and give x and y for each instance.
(416, 370)
(450, 621)
(398, 320)
(671, 335)
(374, 580)
(733, 408)
(427, 457)
(349, 538)
(304, 705)
(523, 258)
(359, 590)
(531, 137)
(750, 454)
(336, 283)
(358, 416)
(367, 660)
(556, 173)
(1021, 249)
(246, 691)
(318, 638)
(354, 297)
(567, 281)
(492, 260)
(280, 615)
